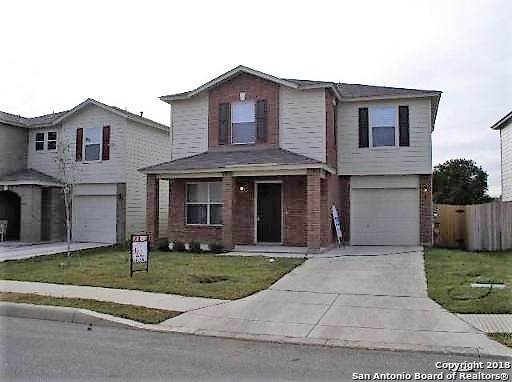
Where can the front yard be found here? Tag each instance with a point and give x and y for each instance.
(451, 272)
(200, 275)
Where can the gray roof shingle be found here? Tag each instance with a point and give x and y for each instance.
(18, 120)
(221, 158)
(29, 175)
(359, 91)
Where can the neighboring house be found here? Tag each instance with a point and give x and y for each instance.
(261, 159)
(504, 125)
(104, 146)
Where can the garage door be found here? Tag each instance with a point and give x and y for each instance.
(94, 218)
(384, 216)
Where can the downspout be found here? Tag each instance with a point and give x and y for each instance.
(171, 130)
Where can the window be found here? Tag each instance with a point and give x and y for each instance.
(39, 141)
(52, 140)
(383, 121)
(204, 203)
(92, 143)
(243, 128)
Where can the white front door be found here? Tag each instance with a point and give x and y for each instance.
(94, 218)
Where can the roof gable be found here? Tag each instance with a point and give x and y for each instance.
(502, 122)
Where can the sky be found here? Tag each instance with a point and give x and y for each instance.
(55, 54)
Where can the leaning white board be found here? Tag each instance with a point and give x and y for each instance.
(337, 223)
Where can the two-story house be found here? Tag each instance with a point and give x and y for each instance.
(261, 159)
(504, 125)
(101, 147)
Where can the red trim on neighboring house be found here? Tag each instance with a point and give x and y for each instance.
(105, 153)
(255, 89)
(344, 208)
(79, 144)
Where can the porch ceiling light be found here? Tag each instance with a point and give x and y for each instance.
(243, 188)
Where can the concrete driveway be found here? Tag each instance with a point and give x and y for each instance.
(373, 297)
(15, 250)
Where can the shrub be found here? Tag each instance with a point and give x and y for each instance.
(162, 245)
(178, 246)
(216, 247)
(194, 246)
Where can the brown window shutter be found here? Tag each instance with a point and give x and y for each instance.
(403, 123)
(363, 127)
(224, 123)
(105, 152)
(261, 121)
(79, 144)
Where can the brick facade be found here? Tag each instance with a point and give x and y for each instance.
(53, 214)
(313, 210)
(152, 206)
(425, 207)
(30, 212)
(228, 195)
(331, 149)
(255, 88)
(344, 208)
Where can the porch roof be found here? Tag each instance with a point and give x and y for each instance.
(229, 159)
(29, 176)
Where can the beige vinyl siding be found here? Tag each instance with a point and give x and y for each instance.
(302, 122)
(506, 162)
(145, 146)
(109, 171)
(13, 149)
(414, 159)
(189, 126)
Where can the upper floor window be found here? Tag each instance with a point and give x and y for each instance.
(52, 140)
(383, 126)
(204, 203)
(92, 143)
(39, 141)
(243, 122)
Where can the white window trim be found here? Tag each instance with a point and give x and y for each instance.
(370, 129)
(84, 143)
(36, 141)
(208, 204)
(48, 140)
(232, 123)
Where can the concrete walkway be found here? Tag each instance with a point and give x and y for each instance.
(15, 250)
(489, 323)
(121, 296)
(374, 298)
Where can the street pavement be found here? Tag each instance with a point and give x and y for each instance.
(38, 350)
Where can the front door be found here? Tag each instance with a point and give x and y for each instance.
(268, 213)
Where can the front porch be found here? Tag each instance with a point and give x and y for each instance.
(277, 204)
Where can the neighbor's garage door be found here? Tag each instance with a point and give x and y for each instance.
(94, 218)
(384, 216)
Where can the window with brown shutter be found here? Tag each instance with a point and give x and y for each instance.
(224, 123)
(261, 121)
(105, 151)
(363, 127)
(79, 144)
(403, 123)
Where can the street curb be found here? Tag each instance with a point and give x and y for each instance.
(89, 317)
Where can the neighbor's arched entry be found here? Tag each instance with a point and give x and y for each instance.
(10, 208)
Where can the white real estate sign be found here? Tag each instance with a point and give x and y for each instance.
(139, 251)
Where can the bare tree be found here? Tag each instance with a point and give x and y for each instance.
(68, 175)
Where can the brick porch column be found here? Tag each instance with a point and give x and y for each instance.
(152, 204)
(313, 210)
(228, 185)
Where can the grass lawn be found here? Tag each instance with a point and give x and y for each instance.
(202, 275)
(450, 273)
(132, 312)
(504, 338)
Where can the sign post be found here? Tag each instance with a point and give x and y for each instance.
(139, 251)
(337, 225)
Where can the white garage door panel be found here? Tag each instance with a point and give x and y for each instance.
(94, 218)
(384, 217)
